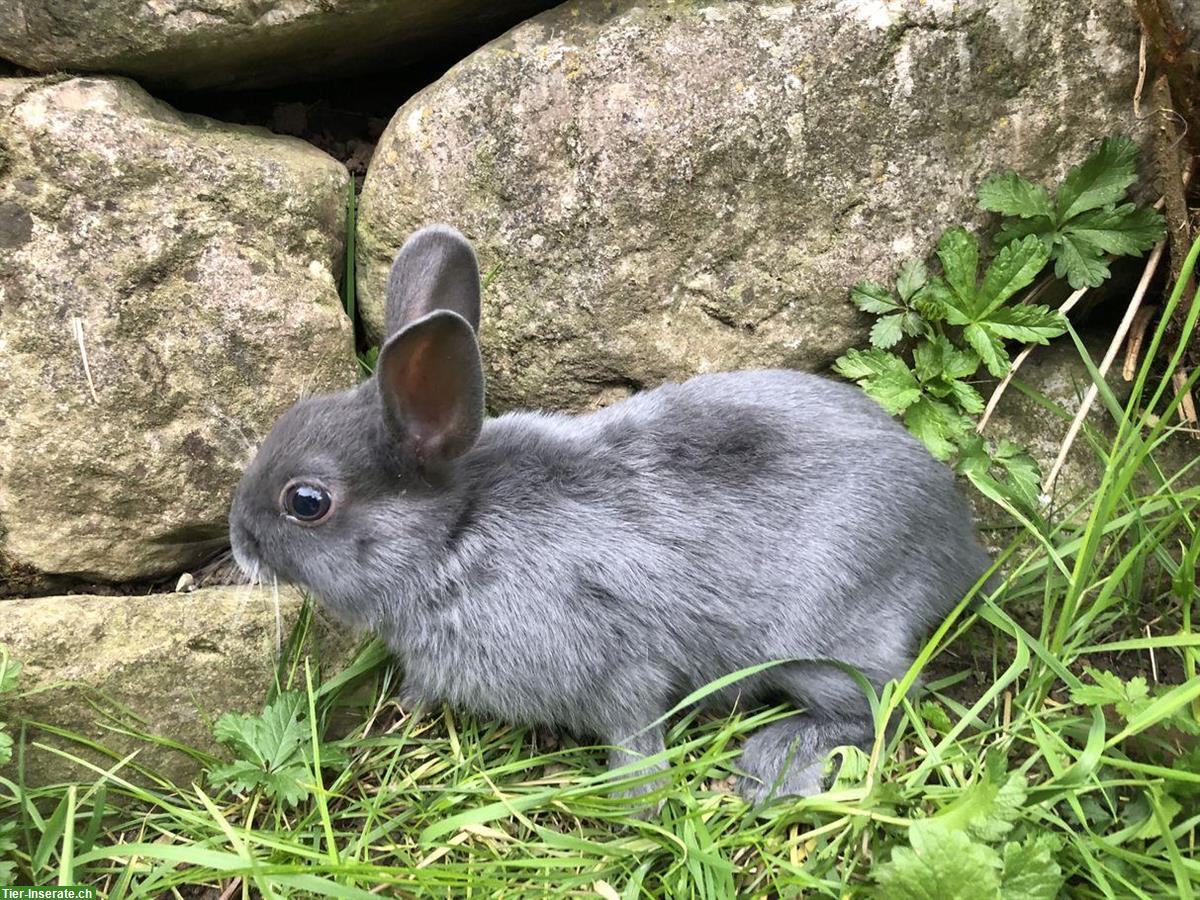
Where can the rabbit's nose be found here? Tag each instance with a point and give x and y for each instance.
(245, 545)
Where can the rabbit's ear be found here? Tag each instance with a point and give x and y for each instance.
(435, 269)
(431, 382)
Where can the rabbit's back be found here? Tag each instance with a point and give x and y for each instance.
(693, 530)
(813, 493)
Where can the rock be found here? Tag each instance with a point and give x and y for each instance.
(168, 286)
(243, 43)
(1187, 15)
(666, 188)
(167, 665)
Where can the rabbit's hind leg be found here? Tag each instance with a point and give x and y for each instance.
(786, 758)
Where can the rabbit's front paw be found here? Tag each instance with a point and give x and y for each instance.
(624, 756)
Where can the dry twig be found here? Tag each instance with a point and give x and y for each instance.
(1138, 336)
(1118, 339)
(77, 330)
(1187, 406)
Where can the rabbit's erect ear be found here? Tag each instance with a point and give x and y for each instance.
(435, 269)
(431, 382)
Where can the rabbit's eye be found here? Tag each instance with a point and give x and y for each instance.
(306, 503)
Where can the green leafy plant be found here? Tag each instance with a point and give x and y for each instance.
(963, 851)
(1084, 220)
(934, 332)
(9, 670)
(272, 751)
(958, 322)
(367, 360)
(8, 868)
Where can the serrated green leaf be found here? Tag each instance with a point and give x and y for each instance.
(236, 731)
(1015, 267)
(873, 298)
(6, 744)
(1139, 815)
(958, 250)
(989, 347)
(1129, 698)
(986, 809)
(1122, 230)
(936, 425)
(1016, 229)
(940, 865)
(912, 324)
(973, 456)
(368, 360)
(911, 279)
(960, 363)
(1026, 322)
(10, 669)
(936, 717)
(1081, 263)
(241, 775)
(858, 364)
(934, 299)
(273, 750)
(938, 364)
(1030, 871)
(997, 820)
(289, 783)
(894, 391)
(887, 331)
(1012, 195)
(1022, 478)
(929, 357)
(969, 399)
(283, 728)
(1102, 178)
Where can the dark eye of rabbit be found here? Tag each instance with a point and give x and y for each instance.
(308, 503)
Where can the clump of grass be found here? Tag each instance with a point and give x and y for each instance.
(1053, 749)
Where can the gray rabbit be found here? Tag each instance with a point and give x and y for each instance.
(588, 572)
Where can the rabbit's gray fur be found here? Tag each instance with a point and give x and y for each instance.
(589, 571)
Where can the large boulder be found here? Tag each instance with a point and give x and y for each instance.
(242, 43)
(165, 666)
(664, 188)
(168, 286)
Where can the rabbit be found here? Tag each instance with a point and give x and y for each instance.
(588, 572)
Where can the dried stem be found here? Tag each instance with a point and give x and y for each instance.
(77, 330)
(1187, 406)
(1172, 55)
(1089, 398)
(1134, 349)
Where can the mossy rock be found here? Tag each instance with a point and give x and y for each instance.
(661, 189)
(165, 665)
(168, 286)
(243, 43)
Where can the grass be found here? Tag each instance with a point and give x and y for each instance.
(1053, 749)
